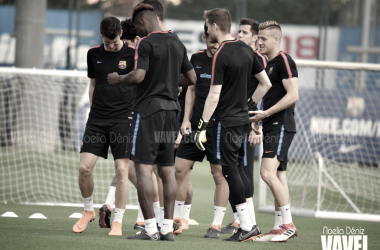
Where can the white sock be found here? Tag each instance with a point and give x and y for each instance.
(286, 215)
(277, 220)
(88, 203)
(140, 216)
(150, 226)
(235, 215)
(237, 218)
(219, 213)
(119, 214)
(245, 218)
(186, 212)
(156, 208)
(251, 210)
(167, 226)
(178, 208)
(162, 213)
(110, 200)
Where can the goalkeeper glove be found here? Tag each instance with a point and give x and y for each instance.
(200, 135)
(252, 106)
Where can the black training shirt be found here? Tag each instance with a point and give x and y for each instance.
(164, 57)
(253, 82)
(232, 66)
(110, 103)
(279, 68)
(202, 65)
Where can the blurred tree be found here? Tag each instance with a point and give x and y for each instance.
(283, 11)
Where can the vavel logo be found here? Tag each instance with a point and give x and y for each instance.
(340, 239)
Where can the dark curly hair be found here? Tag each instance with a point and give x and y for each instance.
(129, 30)
(110, 27)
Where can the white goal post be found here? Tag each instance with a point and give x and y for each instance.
(334, 159)
(43, 114)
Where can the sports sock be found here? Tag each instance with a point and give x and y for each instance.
(237, 219)
(219, 213)
(119, 214)
(286, 215)
(110, 200)
(162, 214)
(167, 226)
(88, 203)
(140, 216)
(277, 220)
(156, 208)
(178, 208)
(186, 212)
(245, 218)
(150, 226)
(235, 215)
(251, 210)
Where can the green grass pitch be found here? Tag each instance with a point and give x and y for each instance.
(56, 231)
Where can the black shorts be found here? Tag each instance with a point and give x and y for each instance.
(228, 144)
(243, 157)
(188, 150)
(153, 138)
(277, 142)
(98, 136)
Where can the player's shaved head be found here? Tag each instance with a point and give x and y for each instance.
(143, 11)
(144, 18)
(158, 8)
(273, 26)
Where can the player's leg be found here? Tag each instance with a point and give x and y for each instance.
(187, 206)
(182, 168)
(170, 191)
(86, 185)
(220, 201)
(228, 147)
(159, 193)
(143, 153)
(95, 143)
(156, 202)
(106, 210)
(139, 224)
(232, 227)
(269, 169)
(121, 194)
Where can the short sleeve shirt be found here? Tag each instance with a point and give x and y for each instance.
(233, 64)
(279, 68)
(202, 64)
(253, 83)
(164, 57)
(110, 103)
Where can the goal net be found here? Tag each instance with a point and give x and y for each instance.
(334, 159)
(43, 114)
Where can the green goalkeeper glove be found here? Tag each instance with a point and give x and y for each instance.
(200, 135)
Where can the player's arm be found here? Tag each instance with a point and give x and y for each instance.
(263, 87)
(188, 78)
(189, 105)
(291, 97)
(211, 102)
(91, 90)
(132, 78)
(220, 61)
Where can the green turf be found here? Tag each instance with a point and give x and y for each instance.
(56, 231)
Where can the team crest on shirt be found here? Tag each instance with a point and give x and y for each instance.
(270, 71)
(122, 64)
